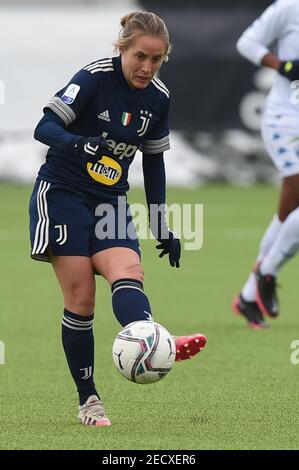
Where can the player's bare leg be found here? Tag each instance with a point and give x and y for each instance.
(76, 279)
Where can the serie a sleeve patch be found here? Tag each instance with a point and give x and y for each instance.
(70, 93)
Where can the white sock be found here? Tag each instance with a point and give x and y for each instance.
(285, 246)
(269, 237)
(249, 289)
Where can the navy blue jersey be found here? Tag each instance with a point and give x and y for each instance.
(98, 101)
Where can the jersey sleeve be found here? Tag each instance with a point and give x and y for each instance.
(269, 27)
(158, 140)
(69, 102)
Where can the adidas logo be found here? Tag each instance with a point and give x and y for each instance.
(104, 115)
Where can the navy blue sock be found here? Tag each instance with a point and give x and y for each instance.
(129, 302)
(78, 344)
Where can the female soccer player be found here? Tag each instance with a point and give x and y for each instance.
(80, 220)
(278, 25)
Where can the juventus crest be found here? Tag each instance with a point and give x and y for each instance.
(145, 117)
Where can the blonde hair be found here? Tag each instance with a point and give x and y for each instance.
(142, 22)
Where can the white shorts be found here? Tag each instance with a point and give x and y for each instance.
(281, 138)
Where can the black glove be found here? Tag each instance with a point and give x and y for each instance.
(91, 148)
(171, 246)
(289, 69)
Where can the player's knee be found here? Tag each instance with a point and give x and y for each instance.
(134, 271)
(82, 299)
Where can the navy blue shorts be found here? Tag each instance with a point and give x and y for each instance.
(63, 221)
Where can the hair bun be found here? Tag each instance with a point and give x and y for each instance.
(125, 19)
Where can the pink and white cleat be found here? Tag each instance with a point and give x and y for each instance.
(188, 346)
(92, 413)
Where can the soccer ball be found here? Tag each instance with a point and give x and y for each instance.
(144, 352)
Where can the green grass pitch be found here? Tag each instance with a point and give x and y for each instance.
(241, 392)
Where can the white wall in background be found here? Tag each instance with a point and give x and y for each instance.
(41, 48)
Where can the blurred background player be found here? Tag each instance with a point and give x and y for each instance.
(278, 25)
(94, 127)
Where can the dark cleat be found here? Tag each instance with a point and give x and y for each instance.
(266, 296)
(250, 311)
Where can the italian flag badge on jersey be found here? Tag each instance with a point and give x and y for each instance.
(126, 119)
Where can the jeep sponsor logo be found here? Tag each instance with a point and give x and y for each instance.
(120, 149)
